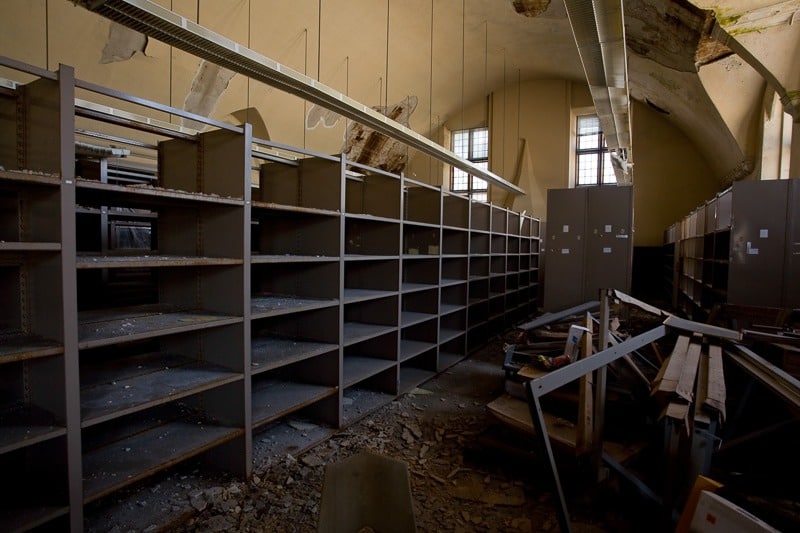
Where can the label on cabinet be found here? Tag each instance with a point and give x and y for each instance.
(564, 251)
(764, 233)
(608, 228)
(565, 228)
(607, 250)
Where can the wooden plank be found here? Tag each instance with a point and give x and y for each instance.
(152, 259)
(700, 414)
(268, 353)
(124, 462)
(685, 386)
(16, 346)
(516, 414)
(667, 379)
(274, 399)
(585, 420)
(716, 381)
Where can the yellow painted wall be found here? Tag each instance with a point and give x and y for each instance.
(670, 177)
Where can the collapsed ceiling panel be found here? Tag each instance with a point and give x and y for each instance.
(674, 34)
(368, 147)
(122, 43)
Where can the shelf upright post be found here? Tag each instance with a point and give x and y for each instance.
(69, 293)
(342, 245)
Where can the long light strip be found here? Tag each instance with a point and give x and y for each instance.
(166, 26)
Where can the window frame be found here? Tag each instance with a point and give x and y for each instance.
(601, 152)
(479, 193)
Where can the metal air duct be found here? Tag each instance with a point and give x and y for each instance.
(599, 30)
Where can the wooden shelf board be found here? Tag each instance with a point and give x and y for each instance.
(86, 261)
(358, 368)
(371, 218)
(124, 462)
(359, 295)
(358, 403)
(446, 309)
(410, 348)
(29, 518)
(30, 177)
(270, 206)
(275, 399)
(447, 359)
(140, 193)
(359, 331)
(290, 258)
(409, 318)
(411, 377)
(146, 382)
(17, 346)
(268, 353)
(273, 305)
(446, 334)
(416, 287)
(276, 439)
(448, 282)
(409, 222)
(22, 425)
(111, 326)
(370, 257)
(24, 246)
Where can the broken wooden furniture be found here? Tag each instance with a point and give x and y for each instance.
(690, 385)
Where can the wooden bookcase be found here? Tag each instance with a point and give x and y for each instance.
(195, 291)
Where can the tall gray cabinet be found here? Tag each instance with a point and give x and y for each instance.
(742, 247)
(589, 243)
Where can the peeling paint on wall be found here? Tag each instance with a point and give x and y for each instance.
(122, 43)
(530, 8)
(366, 146)
(317, 114)
(208, 85)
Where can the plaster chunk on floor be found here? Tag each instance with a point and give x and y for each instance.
(122, 43)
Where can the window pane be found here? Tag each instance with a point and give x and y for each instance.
(608, 169)
(587, 169)
(461, 143)
(480, 144)
(588, 132)
(460, 180)
(479, 184)
(588, 124)
(480, 197)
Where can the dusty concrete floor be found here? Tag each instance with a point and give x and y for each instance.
(458, 483)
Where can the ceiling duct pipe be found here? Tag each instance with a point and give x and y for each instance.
(599, 30)
(162, 24)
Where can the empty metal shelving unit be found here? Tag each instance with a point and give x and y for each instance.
(180, 295)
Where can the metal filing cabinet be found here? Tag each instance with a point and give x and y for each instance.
(590, 243)
(608, 240)
(565, 254)
(758, 243)
(791, 274)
